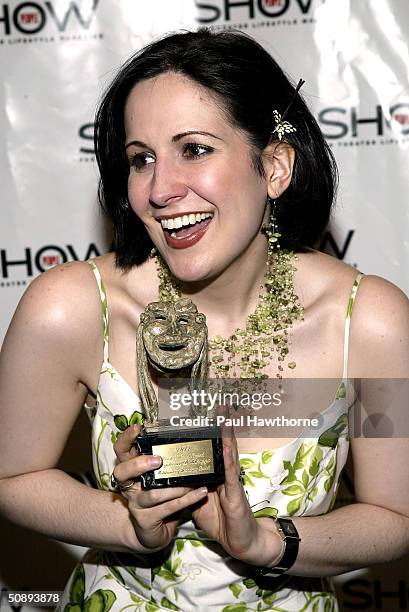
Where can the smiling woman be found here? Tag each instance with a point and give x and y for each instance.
(204, 84)
(218, 183)
(198, 172)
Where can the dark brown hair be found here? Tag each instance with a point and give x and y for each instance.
(249, 84)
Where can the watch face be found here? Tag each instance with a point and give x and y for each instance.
(288, 528)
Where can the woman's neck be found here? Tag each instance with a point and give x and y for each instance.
(233, 294)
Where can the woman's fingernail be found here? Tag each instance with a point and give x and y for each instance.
(202, 491)
(155, 461)
(135, 428)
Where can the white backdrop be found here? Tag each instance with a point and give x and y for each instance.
(57, 56)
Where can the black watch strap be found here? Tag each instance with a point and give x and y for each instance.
(291, 539)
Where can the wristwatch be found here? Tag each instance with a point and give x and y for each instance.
(291, 539)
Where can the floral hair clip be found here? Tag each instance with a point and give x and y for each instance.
(284, 127)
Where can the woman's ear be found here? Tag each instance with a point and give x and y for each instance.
(279, 163)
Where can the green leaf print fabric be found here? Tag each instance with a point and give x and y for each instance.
(194, 573)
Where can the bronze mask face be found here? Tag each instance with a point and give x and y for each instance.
(174, 334)
(172, 339)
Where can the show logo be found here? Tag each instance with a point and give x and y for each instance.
(86, 133)
(338, 122)
(29, 262)
(362, 594)
(30, 18)
(210, 12)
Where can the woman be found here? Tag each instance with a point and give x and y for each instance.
(205, 150)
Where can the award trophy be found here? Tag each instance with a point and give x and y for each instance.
(172, 339)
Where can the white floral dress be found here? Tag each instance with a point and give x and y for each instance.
(194, 573)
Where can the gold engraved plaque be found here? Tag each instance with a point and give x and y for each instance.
(191, 456)
(185, 458)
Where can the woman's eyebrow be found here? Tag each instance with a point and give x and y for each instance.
(201, 133)
(137, 143)
(176, 138)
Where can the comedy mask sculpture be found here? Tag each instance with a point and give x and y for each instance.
(172, 339)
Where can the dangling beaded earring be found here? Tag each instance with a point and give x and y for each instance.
(271, 229)
(279, 281)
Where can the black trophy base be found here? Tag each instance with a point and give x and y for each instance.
(190, 456)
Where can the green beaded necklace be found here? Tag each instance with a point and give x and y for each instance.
(266, 328)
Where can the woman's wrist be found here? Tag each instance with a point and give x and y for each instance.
(131, 540)
(267, 547)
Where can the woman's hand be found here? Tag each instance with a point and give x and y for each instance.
(152, 512)
(225, 515)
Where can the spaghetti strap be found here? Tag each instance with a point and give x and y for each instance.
(348, 322)
(104, 303)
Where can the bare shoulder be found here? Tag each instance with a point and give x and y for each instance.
(379, 326)
(60, 316)
(380, 330)
(324, 280)
(380, 304)
(128, 289)
(325, 277)
(60, 299)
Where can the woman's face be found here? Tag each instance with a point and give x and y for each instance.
(191, 180)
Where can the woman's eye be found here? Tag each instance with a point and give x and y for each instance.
(193, 150)
(139, 161)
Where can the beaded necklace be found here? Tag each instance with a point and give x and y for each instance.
(267, 328)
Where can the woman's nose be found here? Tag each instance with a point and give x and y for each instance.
(168, 183)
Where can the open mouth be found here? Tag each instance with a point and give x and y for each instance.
(171, 347)
(185, 230)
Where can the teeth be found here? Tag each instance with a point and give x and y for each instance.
(184, 220)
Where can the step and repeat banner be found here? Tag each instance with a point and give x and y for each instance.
(57, 56)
